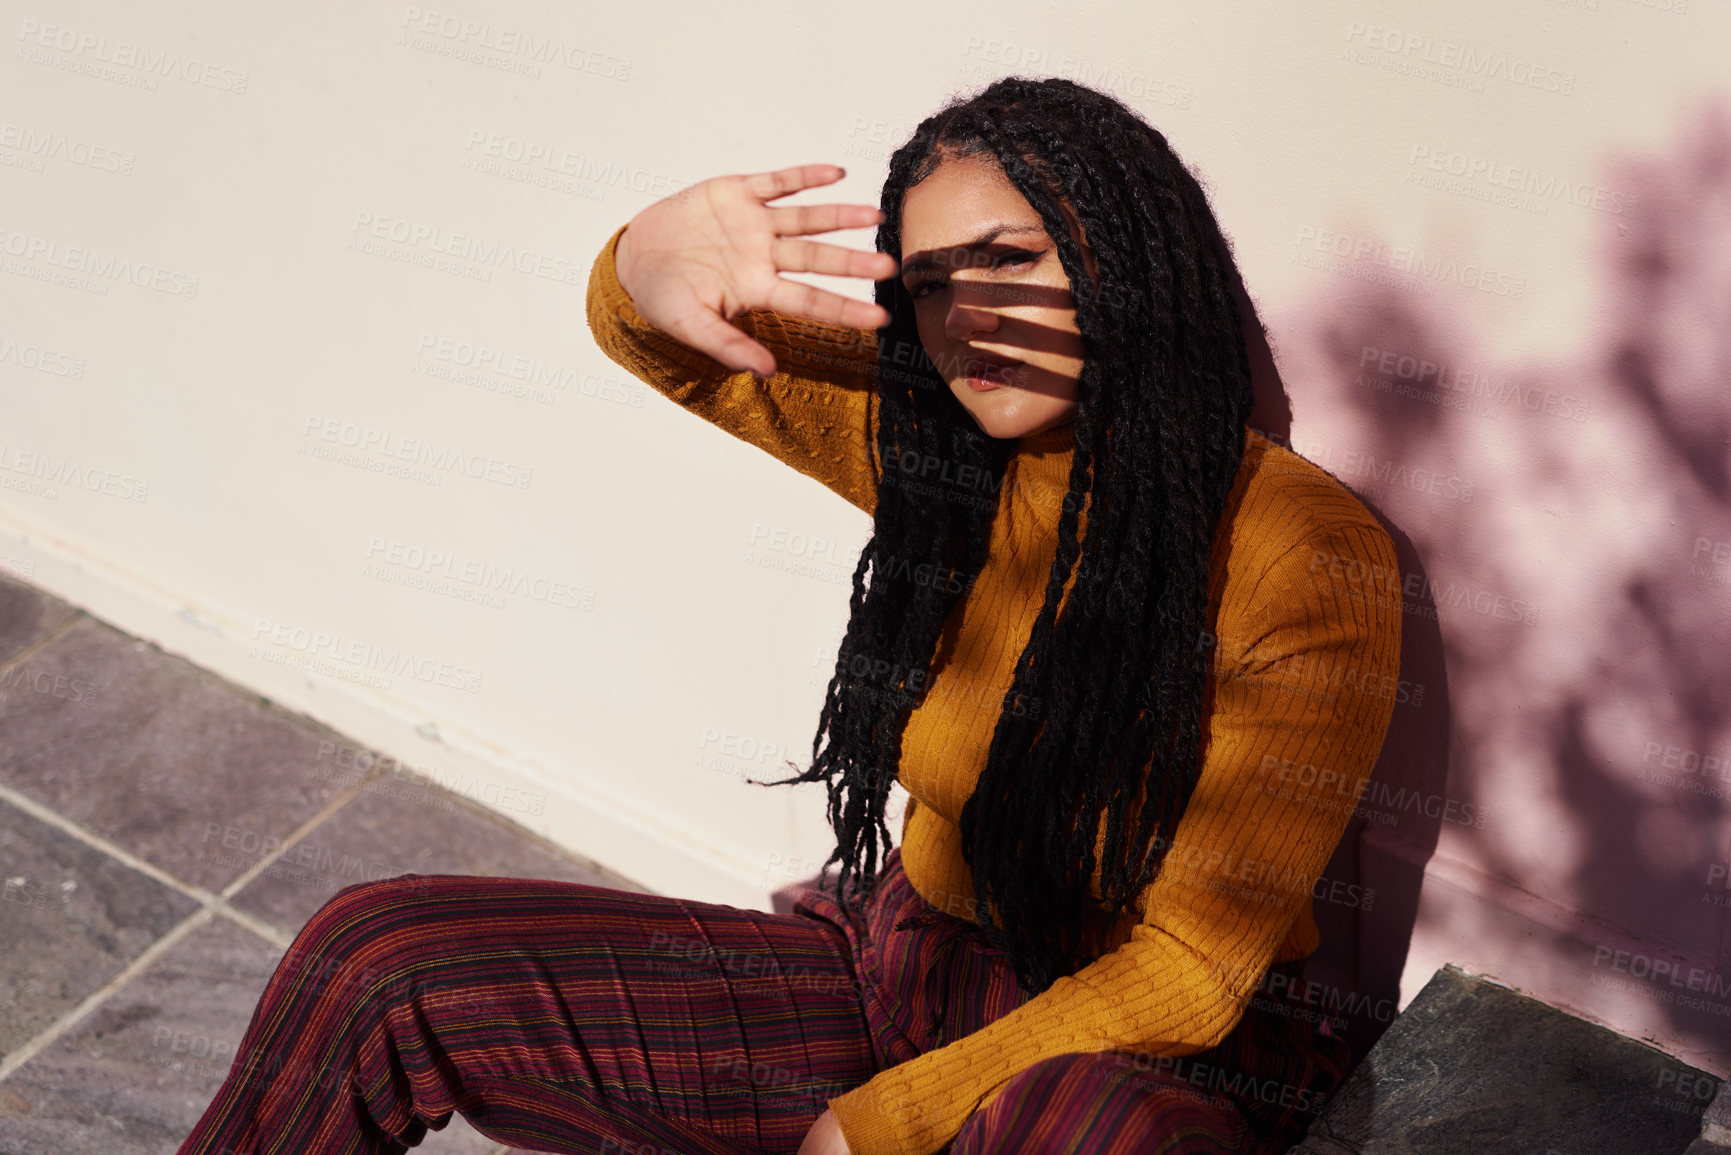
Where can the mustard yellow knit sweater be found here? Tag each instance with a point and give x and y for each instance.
(1305, 680)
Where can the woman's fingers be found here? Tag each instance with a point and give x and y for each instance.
(689, 256)
(799, 220)
(710, 335)
(802, 300)
(770, 185)
(832, 260)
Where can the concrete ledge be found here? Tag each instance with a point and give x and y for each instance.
(1471, 1066)
(1715, 1127)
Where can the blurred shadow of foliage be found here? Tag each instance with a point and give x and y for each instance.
(1602, 504)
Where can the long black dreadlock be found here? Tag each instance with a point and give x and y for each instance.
(1119, 677)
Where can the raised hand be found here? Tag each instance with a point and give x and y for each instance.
(717, 249)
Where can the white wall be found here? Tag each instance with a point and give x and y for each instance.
(197, 515)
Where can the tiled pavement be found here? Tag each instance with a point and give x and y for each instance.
(163, 834)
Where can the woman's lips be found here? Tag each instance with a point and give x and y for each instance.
(985, 373)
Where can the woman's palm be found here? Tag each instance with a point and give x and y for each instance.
(716, 250)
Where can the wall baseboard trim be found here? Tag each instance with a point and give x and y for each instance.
(577, 814)
(1668, 997)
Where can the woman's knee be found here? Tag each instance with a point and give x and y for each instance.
(361, 934)
(352, 913)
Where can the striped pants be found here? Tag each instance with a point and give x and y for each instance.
(569, 1018)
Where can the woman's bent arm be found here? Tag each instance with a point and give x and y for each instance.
(817, 412)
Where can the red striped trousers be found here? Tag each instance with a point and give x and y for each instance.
(569, 1018)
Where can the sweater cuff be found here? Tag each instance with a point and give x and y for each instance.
(607, 278)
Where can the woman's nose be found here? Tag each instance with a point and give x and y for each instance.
(971, 312)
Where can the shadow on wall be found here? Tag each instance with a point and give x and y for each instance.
(1579, 559)
(1366, 902)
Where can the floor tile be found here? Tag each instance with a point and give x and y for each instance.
(183, 769)
(26, 614)
(393, 827)
(135, 1074)
(70, 918)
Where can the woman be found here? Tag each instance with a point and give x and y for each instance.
(1094, 634)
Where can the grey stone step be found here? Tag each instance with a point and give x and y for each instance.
(1474, 1067)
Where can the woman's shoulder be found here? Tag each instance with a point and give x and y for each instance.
(1303, 566)
(1283, 504)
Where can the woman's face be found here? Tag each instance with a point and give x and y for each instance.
(991, 298)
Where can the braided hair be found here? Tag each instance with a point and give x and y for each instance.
(1103, 721)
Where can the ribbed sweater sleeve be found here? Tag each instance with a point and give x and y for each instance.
(1305, 676)
(817, 412)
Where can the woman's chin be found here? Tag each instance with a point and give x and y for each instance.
(992, 426)
(990, 417)
(1014, 426)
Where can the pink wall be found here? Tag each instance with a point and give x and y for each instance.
(1553, 806)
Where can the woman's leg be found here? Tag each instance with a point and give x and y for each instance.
(555, 1016)
(1096, 1103)
(1254, 1094)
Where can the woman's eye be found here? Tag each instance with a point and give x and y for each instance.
(1002, 261)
